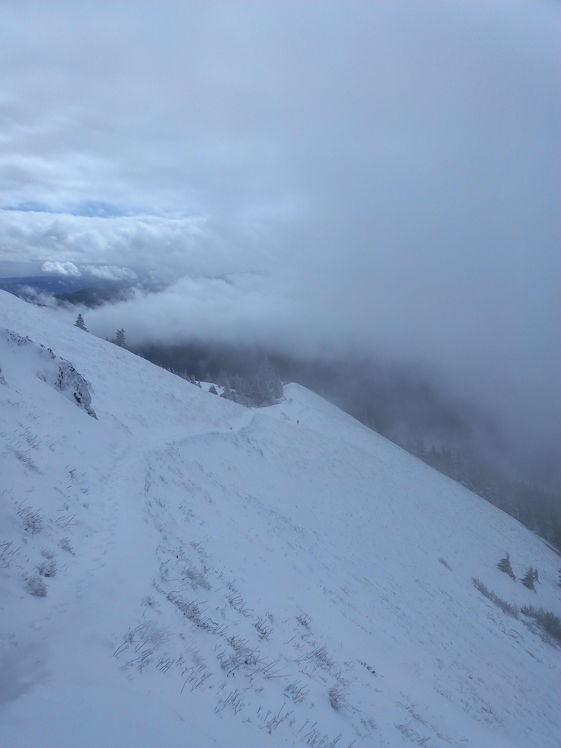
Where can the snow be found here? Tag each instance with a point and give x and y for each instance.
(222, 576)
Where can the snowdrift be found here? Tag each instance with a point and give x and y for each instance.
(183, 571)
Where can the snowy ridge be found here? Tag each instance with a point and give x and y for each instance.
(183, 571)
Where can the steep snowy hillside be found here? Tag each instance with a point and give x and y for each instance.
(177, 570)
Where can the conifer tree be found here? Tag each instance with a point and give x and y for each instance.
(120, 338)
(80, 323)
(528, 579)
(504, 565)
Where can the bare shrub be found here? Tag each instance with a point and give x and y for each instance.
(272, 720)
(65, 545)
(229, 662)
(507, 608)
(192, 611)
(370, 669)
(295, 692)
(319, 657)
(165, 663)
(411, 734)
(31, 519)
(196, 578)
(142, 643)
(548, 621)
(66, 521)
(237, 602)
(263, 629)
(337, 697)
(316, 739)
(7, 552)
(26, 460)
(35, 586)
(233, 700)
(242, 656)
(203, 555)
(47, 568)
(196, 675)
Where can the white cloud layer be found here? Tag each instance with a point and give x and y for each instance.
(60, 268)
(377, 175)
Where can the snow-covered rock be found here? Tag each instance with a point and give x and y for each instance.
(49, 368)
(183, 571)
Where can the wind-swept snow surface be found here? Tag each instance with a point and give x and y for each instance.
(182, 571)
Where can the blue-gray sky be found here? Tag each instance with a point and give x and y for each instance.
(382, 176)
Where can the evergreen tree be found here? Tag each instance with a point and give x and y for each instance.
(80, 323)
(120, 338)
(504, 565)
(528, 579)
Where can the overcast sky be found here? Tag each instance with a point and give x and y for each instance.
(374, 176)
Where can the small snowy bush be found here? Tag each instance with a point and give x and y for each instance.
(35, 586)
(295, 692)
(7, 551)
(65, 545)
(263, 629)
(47, 568)
(304, 620)
(337, 697)
(31, 520)
(319, 657)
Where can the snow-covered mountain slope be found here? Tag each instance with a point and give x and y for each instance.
(182, 571)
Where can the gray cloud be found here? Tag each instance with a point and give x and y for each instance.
(166, 243)
(379, 176)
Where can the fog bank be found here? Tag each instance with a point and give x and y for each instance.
(378, 179)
